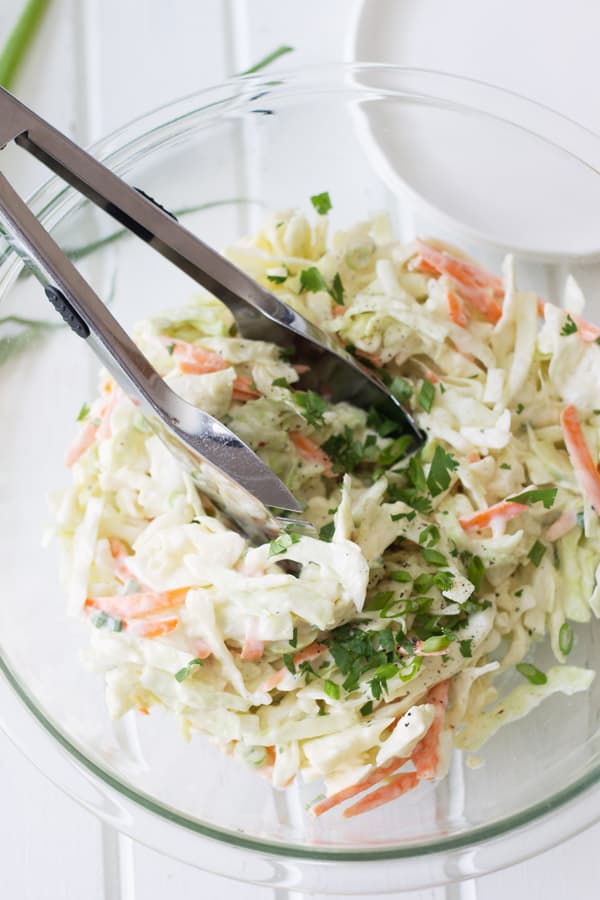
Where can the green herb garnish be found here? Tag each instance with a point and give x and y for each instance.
(321, 203)
(401, 576)
(83, 413)
(426, 395)
(326, 532)
(531, 673)
(331, 689)
(547, 496)
(565, 638)
(434, 557)
(111, 623)
(400, 388)
(288, 661)
(367, 708)
(281, 382)
(184, 673)
(439, 478)
(465, 648)
(436, 643)
(312, 407)
(279, 279)
(475, 572)
(294, 638)
(283, 543)
(569, 326)
(430, 536)
(337, 290)
(536, 554)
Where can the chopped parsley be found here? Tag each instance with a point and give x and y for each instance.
(475, 571)
(337, 290)
(367, 708)
(312, 280)
(288, 661)
(547, 496)
(282, 543)
(312, 407)
(520, 409)
(531, 673)
(347, 453)
(294, 638)
(184, 673)
(322, 203)
(83, 412)
(465, 648)
(286, 354)
(281, 382)
(439, 478)
(326, 532)
(394, 451)
(383, 426)
(171, 349)
(426, 395)
(565, 638)
(569, 326)
(506, 466)
(536, 554)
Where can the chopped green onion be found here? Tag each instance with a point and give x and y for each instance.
(569, 326)
(326, 532)
(426, 395)
(531, 673)
(565, 638)
(430, 536)
(536, 554)
(83, 413)
(288, 661)
(401, 576)
(103, 620)
(400, 388)
(280, 382)
(367, 708)
(434, 557)
(435, 643)
(283, 543)
(184, 673)
(439, 478)
(294, 638)
(331, 689)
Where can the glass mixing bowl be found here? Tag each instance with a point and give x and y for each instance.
(485, 169)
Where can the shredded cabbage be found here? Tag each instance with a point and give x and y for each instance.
(425, 576)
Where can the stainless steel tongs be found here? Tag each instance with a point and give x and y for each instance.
(224, 468)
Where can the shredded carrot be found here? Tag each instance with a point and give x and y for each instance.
(478, 288)
(153, 629)
(421, 265)
(194, 360)
(456, 310)
(580, 456)
(474, 456)
(541, 307)
(243, 389)
(133, 606)
(252, 648)
(371, 778)
(370, 357)
(84, 439)
(397, 786)
(501, 512)
(202, 649)
(310, 451)
(426, 755)
(563, 525)
(104, 430)
(122, 570)
(144, 710)
(271, 756)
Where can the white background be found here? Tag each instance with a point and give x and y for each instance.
(95, 65)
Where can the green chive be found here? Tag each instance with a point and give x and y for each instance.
(531, 673)
(565, 639)
(83, 413)
(322, 203)
(434, 557)
(184, 673)
(465, 648)
(536, 554)
(267, 60)
(426, 395)
(15, 48)
(331, 689)
(435, 643)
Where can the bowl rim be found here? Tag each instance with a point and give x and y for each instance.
(122, 143)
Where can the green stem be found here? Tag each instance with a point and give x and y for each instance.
(19, 39)
(267, 60)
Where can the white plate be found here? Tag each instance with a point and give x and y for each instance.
(545, 53)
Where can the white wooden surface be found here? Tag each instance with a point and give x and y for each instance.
(95, 65)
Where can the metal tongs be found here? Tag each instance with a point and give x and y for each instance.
(223, 467)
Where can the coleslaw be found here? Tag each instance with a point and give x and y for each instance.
(432, 574)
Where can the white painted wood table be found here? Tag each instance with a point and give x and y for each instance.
(95, 65)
